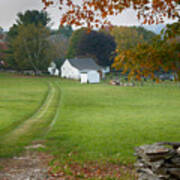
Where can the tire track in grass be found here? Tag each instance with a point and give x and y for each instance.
(57, 111)
(16, 124)
(29, 122)
(31, 128)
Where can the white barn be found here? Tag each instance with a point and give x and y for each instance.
(83, 69)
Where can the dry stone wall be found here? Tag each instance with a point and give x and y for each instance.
(160, 161)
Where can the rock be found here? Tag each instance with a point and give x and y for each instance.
(153, 152)
(175, 172)
(178, 150)
(143, 176)
(146, 171)
(175, 145)
(156, 150)
(176, 161)
(157, 166)
(139, 164)
(159, 161)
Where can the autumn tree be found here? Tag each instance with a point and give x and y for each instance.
(31, 49)
(94, 13)
(146, 59)
(129, 37)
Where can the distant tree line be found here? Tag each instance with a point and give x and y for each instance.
(33, 45)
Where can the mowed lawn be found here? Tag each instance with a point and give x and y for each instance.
(106, 122)
(27, 107)
(19, 99)
(90, 122)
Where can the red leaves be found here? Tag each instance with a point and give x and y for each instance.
(145, 21)
(104, 14)
(150, 11)
(63, 20)
(69, 3)
(47, 3)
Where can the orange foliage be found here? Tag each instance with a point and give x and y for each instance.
(145, 60)
(87, 12)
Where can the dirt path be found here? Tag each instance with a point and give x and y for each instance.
(31, 164)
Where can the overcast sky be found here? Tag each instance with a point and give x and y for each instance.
(10, 8)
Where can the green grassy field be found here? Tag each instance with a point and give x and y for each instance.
(27, 107)
(85, 122)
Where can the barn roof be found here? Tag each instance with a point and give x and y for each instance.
(84, 64)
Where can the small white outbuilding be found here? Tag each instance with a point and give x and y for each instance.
(83, 69)
(93, 76)
(90, 76)
(53, 70)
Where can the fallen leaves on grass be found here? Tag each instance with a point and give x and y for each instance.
(91, 170)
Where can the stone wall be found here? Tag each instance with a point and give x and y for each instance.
(160, 161)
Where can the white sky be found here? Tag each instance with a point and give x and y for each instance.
(10, 8)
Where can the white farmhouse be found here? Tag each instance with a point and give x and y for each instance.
(83, 69)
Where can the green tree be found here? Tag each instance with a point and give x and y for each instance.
(13, 32)
(31, 49)
(98, 45)
(66, 31)
(36, 18)
(33, 17)
(29, 17)
(171, 30)
(3, 48)
(74, 40)
(3, 45)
